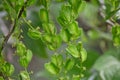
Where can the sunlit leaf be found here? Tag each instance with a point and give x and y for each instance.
(21, 49)
(24, 75)
(57, 60)
(83, 54)
(34, 33)
(69, 64)
(7, 69)
(44, 15)
(52, 68)
(72, 49)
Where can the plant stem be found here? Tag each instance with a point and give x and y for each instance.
(14, 26)
(28, 23)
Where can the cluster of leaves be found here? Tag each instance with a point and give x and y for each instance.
(69, 33)
(24, 60)
(25, 55)
(63, 63)
(112, 6)
(6, 69)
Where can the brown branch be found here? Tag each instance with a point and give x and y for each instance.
(14, 26)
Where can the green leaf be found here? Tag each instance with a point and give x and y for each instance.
(34, 33)
(66, 13)
(77, 5)
(56, 41)
(83, 55)
(116, 35)
(72, 49)
(81, 6)
(69, 64)
(73, 29)
(108, 67)
(7, 69)
(21, 49)
(53, 42)
(23, 61)
(44, 15)
(62, 21)
(52, 68)
(45, 3)
(57, 59)
(29, 55)
(65, 35)
(35, 45)
(49, 28)
(11, 69)
(10, 9)
(66, 16)
(46, 38)
(24, 75)
(112, 13)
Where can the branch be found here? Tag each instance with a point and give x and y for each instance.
(102, 7)
(14, 26)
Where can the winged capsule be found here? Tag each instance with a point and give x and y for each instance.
(23, 61)
(21, 49)
(65, 35)
(65, 15)
(116, 35)
(44, 15)
(52, 68)
(47, 38)
(69, 64)
(57, 59)
(45, 3)
(49, 28)
(83, 55)
(73, 28)
(82, 51)
(34, 33)
(7, 69)
(66, 12)
(77, 5)
(24, 75)
(81, 6)
(28, 56)
(72, 49)
(56, 41)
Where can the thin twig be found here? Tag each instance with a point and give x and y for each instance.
(102, 7)
(14, 26)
